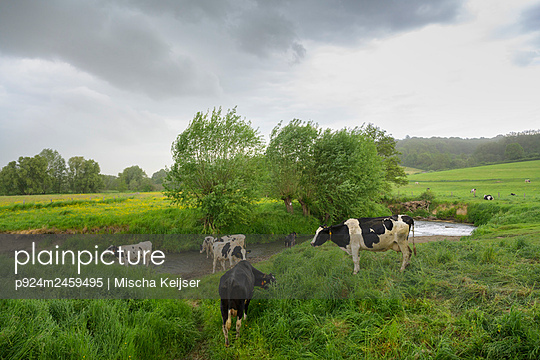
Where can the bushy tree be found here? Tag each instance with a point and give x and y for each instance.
(290, 159)
(215, 167)
(386, 149)
(33, 176)
(349, 175)
(56, 169)
(135, 179)
(514, 151)
(9, 180)
(83, 175)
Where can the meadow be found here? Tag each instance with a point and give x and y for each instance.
(500, 181)
(477, 298)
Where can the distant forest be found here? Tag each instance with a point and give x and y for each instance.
(452, 153)
(49, 173)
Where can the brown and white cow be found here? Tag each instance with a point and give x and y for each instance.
(372, 234)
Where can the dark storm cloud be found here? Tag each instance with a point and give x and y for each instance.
(119, 46)
(167, 48)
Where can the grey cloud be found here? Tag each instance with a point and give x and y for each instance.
(351, 21)
(167, 48)
(530, 19)
(529, 24)
(119, 46)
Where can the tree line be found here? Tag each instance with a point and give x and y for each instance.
(221, 166)
(451, 153)
(49, 173)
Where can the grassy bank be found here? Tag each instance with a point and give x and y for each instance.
(467, 299)
(144, 213)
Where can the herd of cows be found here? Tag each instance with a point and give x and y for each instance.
(237, 285)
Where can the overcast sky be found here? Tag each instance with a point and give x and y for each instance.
(117, 80)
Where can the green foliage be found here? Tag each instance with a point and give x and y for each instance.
(386, 148)
(215, 167)
(290, 159)
(348, 177)
(514, 151)
(481, 214)
(56, 169)
(134, 178)
(83, 175)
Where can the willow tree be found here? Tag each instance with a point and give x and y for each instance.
(290, 157)
(349, 175)
(215, 167)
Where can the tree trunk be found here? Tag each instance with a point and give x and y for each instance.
(288, 204)
(305, 209)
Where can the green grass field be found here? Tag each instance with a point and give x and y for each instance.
(478, 298)
(497, 180)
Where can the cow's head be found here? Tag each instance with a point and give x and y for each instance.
(322, 235)
(114, 250)
(207, 243)
(266, 280)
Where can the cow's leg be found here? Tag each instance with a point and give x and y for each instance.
(246, 308)
(226, 320)
(239, 315)
(214, 268)
(406, 251)
(356, 261)
(223, 264)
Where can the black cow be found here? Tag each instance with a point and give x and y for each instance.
(488, 197)
(373, 234)
(236, 288)
(290, 240)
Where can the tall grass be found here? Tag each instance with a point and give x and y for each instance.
(96, 329)
(467, 299)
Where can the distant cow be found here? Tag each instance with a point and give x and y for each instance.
(373, 234)
(527, 180)
(488, 197)
(512, 194)
(137, 251)
(209, 241)
(236, 288)
(290, 240)
(230, 250)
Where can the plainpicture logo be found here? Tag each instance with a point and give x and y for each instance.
(88, 266)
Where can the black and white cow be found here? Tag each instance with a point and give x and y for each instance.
(228, 250)
(209, 241)
(488, 197)
(236, 288)
(125, 253)
(290, 240)
(373, 234)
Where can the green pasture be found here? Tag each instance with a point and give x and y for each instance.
(497, 180)
(470, 299)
